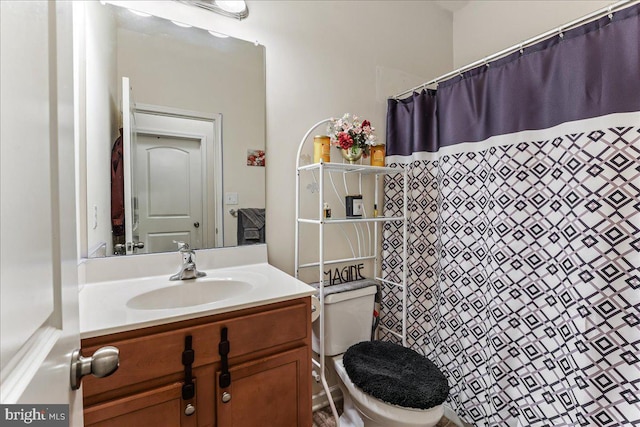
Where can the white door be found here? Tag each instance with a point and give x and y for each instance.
(169, 195)
(38, 260)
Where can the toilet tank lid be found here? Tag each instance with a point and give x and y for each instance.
(344, 291)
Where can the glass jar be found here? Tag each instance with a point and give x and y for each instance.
(377, 155)
(321, 148)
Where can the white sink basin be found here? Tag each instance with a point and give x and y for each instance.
(190, 293)
(120, 305)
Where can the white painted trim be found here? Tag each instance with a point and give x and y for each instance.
(577, 126)
(162, 110)
(23, 366)
(80, 124)
(127, 167)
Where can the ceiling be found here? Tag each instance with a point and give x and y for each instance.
(452, 5)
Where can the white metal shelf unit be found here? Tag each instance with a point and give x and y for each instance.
(361, 170)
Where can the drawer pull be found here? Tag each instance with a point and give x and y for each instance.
(188, 356)
(223, 349)
(226, 397)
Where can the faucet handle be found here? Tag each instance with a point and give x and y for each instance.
(182, 246)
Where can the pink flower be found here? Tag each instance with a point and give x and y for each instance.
(344, 140)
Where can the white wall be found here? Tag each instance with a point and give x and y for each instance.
(328, 58)
(325, 58)
(485, 27)
(101, 121)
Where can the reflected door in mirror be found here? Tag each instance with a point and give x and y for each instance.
(169, 200)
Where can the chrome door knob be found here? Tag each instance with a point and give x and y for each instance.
(104, 362)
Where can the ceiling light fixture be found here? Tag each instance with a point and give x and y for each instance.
(232, 8)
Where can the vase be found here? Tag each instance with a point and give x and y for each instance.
(352, 154)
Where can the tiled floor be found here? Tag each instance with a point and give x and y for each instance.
(446, 422)
(323, 418)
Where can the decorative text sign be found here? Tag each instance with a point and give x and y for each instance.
(345, 274)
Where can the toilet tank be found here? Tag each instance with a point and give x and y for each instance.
(348, 316)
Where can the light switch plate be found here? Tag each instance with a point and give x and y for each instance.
(231, 198)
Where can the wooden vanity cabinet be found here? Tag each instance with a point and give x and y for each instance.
(269, 362)
(159, 407)
(264, 392)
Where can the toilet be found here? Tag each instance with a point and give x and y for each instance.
(383, 384)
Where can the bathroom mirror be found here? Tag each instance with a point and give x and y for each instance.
(196, 114)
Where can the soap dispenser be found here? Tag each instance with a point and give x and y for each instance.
(326, 210)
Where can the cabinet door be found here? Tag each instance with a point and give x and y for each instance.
(274, 391)
(159, 407)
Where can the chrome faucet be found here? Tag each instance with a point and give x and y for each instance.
(188, 269)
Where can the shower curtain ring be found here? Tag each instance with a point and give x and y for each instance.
(560, 33)
(610, 14)
(521, 49)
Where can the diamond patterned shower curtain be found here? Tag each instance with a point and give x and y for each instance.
(524, 230)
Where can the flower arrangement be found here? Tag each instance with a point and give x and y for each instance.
(349, 131)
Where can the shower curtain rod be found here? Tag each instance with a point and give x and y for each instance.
(609, 10)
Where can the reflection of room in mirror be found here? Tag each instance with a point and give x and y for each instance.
(185, 69)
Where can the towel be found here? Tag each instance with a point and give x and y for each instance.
(251, 226)
(251, 233)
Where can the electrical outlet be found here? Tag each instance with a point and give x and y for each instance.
(95, 217)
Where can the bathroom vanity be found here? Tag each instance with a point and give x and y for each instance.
(242, 361)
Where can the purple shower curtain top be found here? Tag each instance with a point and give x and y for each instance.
(591, 71)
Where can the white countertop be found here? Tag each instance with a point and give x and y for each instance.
(104, 310)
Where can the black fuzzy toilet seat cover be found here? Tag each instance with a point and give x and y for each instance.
(395, 374)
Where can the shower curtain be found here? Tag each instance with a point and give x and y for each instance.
(524, 230)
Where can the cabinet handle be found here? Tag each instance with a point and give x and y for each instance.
(224, 347)
(226, 397)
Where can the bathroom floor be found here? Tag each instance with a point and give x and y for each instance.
(323, 418)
